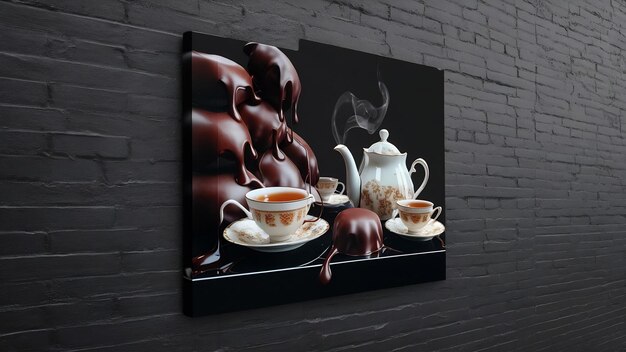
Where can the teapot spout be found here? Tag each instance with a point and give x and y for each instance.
(353, 180)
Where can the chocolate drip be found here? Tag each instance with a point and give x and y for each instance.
(208, 194)
(299, 151)
(261, 120)
(356, 232)
(209, 141)
(326, 274)
(277, 170)
(219, 83)
(230, 123)
(275, 77)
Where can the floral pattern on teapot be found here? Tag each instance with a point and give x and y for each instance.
(380, 199)
(383, 177)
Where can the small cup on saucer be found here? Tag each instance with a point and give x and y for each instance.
(327, 186)
(416, 213)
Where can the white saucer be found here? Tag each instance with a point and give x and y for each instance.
(335, 200)
(245, 232)
(434, 228)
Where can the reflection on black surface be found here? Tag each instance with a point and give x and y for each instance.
(260, 261)
(405, 245)
(236, 259)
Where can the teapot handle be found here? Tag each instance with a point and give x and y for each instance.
(426, 174)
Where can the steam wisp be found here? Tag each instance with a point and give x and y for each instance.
(364, 114)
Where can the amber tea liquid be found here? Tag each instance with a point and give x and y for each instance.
(280, 197)
(417, 204)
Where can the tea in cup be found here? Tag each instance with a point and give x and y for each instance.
(279, 211)
(416, 213)
(327, 186)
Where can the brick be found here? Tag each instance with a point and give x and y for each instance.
(31, 118)
(114, 285)
(30, 340)
(22, 319)
(112, 11)
(410, 15)
(474, 16)
(23, 142)
(502, 68)
(133, 305)
(98, 53)
(88, 145)
(23, 40)
(90, 151)
(21, 242)
(127, 171)
(47, 169)
(155, 216)
(55, 266)
(153, 260)
(89, 194)
(23, 92)
(76, 74)
(45, 218)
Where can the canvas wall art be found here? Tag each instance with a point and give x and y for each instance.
(307, 173)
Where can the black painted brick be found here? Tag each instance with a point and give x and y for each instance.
(90, 214)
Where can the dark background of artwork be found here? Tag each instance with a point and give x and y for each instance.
(90, 203)
(414, 117)
(325, 73)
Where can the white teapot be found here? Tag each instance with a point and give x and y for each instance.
(383, 177)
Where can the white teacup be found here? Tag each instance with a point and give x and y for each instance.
(416, 213)
(279, 211)
(327, 186)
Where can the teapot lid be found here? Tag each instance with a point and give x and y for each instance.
(383, 147)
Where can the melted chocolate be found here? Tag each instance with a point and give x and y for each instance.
(219, 83)
(208, 194)
(261, 120)
(299, 151)
(277, 170)
(356, 232)
(216, 134)
(275, 77)
(229, 124)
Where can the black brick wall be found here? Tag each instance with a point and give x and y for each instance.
(90, 219)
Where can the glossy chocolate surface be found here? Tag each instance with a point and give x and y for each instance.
(276, 169)
(261, 119)
(299, 151)
(219, 83)
(275, 77)
(356, 232)
(208, 194)
(210, 142)
(278, 278)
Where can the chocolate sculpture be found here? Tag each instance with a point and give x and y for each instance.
(219, 82)
(208, 144)
(261, 119)
(299, 151)
(209, 192)
(275, 76)
(277, 170)
(239, 134)
(356, 232)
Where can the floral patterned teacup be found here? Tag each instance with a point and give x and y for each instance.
(416, 214)
(279, 211)
(326, 186)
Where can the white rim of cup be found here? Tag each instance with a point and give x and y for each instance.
(409, 209)
(325, 178)
(305, 194)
